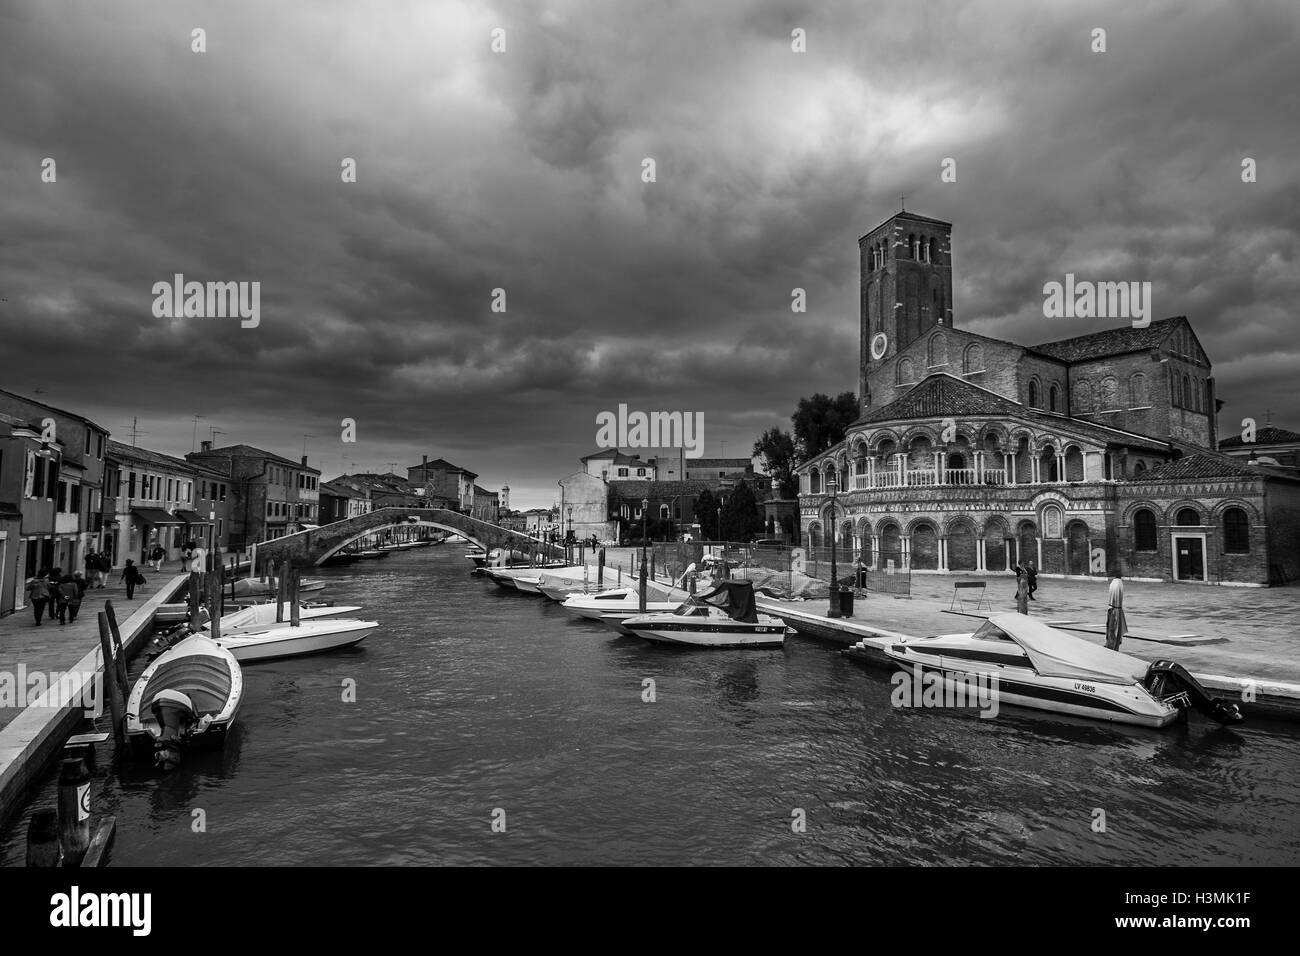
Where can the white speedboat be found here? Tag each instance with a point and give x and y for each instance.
(592, 606)
(724, 617)
(262, 615)
(1047, 669)
(187, 698)
(285, 640)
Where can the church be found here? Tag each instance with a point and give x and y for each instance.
(1086, 455)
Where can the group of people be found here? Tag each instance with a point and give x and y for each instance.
(61, 593)
(98, 564)
(1031, 578)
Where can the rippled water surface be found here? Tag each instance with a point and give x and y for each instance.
(470, 699)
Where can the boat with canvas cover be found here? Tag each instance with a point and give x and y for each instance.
(187, 698)
(1047, 669)
(724, 617)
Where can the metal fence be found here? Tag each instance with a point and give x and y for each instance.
(783, 571)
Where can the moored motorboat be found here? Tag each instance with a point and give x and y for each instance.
(724, 617)
(287, 640)
(187, 698)
(1044, 668)
(592, 606)
(262, 615)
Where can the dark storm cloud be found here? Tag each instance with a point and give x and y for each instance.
(522, 171)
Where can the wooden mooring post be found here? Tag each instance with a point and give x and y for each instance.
(600, 569)
(74, 810)
(281, 590)
(116, 706)
(119, 652)
(43, 847)
(295, 612)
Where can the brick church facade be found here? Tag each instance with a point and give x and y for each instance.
(1085, 455)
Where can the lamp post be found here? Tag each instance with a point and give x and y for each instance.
(645, 507)
(776, 513)
(833, 487)
(568, 539)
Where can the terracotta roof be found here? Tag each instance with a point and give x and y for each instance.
(248, 451)
(1203, 465)
(1268, 435)
(121, 452)
(904, 214)
(1116, 341)
(442, 464)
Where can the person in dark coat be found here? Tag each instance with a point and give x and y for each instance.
(1031, 575)
(38, 595)
(63, 592)
(132, 576)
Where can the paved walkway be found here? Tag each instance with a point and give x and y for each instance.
(1257, 629)
(56, 648)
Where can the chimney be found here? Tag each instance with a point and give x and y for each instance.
(205, 446)
(304, 461)
(424, 468)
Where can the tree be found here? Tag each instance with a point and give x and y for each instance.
(741, 520)
(820, 422)
(706, 513)
(776, 448)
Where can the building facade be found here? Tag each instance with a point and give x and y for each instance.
(269, 496)
(972, 454)
(61, 503)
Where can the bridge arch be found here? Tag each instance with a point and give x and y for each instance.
(312, 547)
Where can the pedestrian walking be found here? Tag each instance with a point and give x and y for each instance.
(156, 557)
(67, 591)
(1022, 591)
(1116, 624)
(132, 576)
(37, 590)
(90, 562)
(1031, 578)
(105, 567)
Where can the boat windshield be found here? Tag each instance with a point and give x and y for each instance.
(692, 610)
(988, 631)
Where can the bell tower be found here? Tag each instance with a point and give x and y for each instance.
(906, 269)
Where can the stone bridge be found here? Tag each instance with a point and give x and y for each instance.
(312, 547)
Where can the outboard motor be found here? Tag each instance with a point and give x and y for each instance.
(175, 714)
(1165, 679)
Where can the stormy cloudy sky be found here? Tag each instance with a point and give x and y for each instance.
(522, 170)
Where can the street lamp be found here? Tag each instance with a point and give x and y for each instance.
(833, 487)
(645, 508)
(568, 539)
(776, 512)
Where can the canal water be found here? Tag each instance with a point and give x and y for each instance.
(472, 702)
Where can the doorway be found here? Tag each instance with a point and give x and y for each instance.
(1189, 557)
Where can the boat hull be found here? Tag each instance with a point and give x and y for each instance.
(1023, 688)
(289, 641)
(718, 634)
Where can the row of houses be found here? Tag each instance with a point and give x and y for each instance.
(67, 489)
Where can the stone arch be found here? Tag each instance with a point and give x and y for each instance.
(1216, 513)
(1027, 540)
(938, 346)
(1047, 464)
(1052, 520)
(1034, 392)
(973, 358)
(906, 371)
(1077, 536)
(961, 544)
(815, 534)
(1182, 512)
(1138, 397)
(996, 532)
(1073, 462)
(891, 541)
(1053, 398)
(1108, 399)
(925, 545)
(1082, 400)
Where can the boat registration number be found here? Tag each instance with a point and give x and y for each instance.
(1086, 688)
